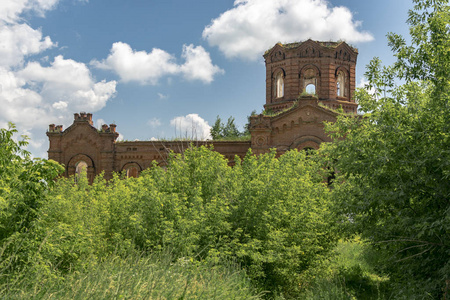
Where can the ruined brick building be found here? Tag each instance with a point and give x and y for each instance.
(305, 83)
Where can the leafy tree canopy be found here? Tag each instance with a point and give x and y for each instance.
(229, 130)
(23, 182)
(394, 163)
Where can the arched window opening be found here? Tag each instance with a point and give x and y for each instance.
(80, 169)
(279, 85)
(309, 81)
(132, 172)
(340, 85)
(310, 89)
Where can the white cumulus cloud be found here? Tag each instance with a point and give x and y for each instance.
(66, 86)
(31, 95)
(99, 123)
(198, 65)
(138, 66)
(60, 105)
(68, 81)
(10, 10)
(20, 105)
(148, 67)
(253, 26)
(191, 126)
(18, 41)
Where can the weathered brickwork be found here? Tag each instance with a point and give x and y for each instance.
(294, 118)
(311, 62)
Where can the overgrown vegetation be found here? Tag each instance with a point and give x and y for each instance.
(350, 272)
(266, 228)
(394, 164)
(135, 277)
(272, 216)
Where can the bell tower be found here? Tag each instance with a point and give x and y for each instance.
(325, 70)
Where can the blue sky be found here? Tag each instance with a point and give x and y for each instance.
(155, 67)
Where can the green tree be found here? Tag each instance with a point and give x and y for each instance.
(225, 131)
(23, 182)
(217, 129)
(230, 129)
(246, 131)
(394, 163)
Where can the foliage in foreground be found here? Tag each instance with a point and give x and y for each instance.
(275, 217)
(272, 216)
(350, 272)
(135, 277)
(23, 183)
(394, 164)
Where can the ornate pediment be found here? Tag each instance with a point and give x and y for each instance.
(308, 51)
(275, 54)
(345, 52)
(78, 135)
(80, 126)
(308, 48)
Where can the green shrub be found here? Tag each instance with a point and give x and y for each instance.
(350, 272)
(272, 215)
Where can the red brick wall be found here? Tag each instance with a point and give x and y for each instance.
(299, 127)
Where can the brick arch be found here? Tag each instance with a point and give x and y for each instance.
(277, 70)
(301, 75)
(74, 160)
(129, 165)
(309, 66)
(308, 141)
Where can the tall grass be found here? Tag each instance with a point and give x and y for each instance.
(349, 273)
(148, 277)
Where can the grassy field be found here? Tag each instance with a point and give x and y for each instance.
(153, 277)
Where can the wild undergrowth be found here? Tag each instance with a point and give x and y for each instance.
(156, 276)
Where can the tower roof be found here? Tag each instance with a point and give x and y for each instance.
(325, 44)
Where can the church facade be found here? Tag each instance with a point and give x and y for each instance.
(306, 83)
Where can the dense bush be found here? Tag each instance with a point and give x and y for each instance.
(394, 163)
(273, 216)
